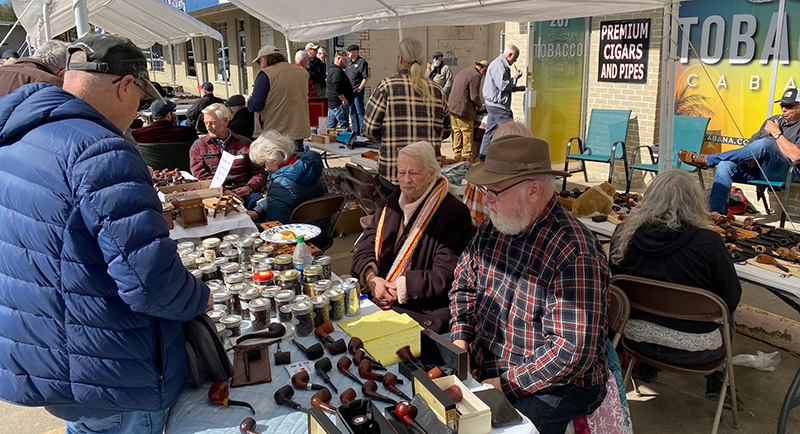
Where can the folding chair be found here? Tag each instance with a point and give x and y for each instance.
(681, 302)
(320, 208)
(785, 185)
(605, 142)
(619, 310)
(687, 133)
(161, 156)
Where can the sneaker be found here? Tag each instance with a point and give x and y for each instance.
(645, 373)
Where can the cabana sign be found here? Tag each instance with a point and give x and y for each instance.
(624, 47)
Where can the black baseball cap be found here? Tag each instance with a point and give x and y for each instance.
(112, 54)
(9, 54)
(353, 47)
(791, 96)
(236, 100)
(160, 109)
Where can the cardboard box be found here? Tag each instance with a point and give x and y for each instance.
(438, 351)
(473, 416)
(437, 400)
(349, 220)
(200, 188)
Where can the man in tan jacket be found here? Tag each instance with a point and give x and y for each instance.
(280, 97)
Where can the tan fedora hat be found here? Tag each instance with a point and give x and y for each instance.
(513, 156)
(482, 63)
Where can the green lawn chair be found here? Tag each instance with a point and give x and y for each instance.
(605, 142)
(161, 156)
(687, 133)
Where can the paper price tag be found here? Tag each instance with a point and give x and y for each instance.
(224, 167)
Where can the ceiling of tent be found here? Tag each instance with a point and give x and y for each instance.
(313, 20)
(145, 22)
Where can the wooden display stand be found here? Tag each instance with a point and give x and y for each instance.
(190, 211)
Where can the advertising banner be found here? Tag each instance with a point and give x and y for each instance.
(725, 73)
(624, 46)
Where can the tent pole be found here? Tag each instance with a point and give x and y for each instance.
(667, 117)
(196, 68)
(225, 68)
(172, 62)
(81, 17)
(776, 57)
(46, 19)
(15, 24)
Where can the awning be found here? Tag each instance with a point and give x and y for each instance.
(145, 22)
(313, 20)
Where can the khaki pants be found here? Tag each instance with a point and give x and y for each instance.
(462, 135)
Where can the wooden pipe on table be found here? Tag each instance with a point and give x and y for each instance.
(389, 380)
(248, 426)
(359, 356)
(347, 396)
(321, 367)
(300, 381)
(219, 394)
(356, 344)
(334, 346)
(370, 390)
(406, 412)
(344, 367)
(322, 399)
(769, 260)
(283, 396)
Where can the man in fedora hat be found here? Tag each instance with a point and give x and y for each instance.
(774, 147)
(529, 298)
(464, 99)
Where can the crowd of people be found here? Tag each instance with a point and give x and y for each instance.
(95, 291)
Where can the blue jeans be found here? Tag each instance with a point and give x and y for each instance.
(339, 115)
(496, 116)
(357, 113)
(731, 168)
(137, 422)
(552, 410)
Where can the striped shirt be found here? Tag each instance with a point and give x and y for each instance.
(396, 117)
(533, 306)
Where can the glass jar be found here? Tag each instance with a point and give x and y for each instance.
(290, 279)
(188, 263)
(211, 249)
(283, 298)
(210, 272)
(197, 274)
(229, 268)
(325, 263)
(246, 297)
(259, 311)
(283, 263)
(216, 314)
(301, 297)
(321, 307)
(236, 290)
(220, 330)
(231, 254)
(285, 314)
(186, 245)
(223, 246)
(268, 292)
(231, 238)
(233, 323)
(336, 298)
(254, 235)
(268, 264)
(321, 286)
(266, 249)
(215, 285)
(256, 259)
(197, 256)
(183, 252)
(222, 300)
(352, 293)
(246, 250)
(303, 318)
(262, 279)
(257, 243)
(311, 274)
(219, 262)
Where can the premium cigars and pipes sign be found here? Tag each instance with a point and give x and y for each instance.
(623, 51)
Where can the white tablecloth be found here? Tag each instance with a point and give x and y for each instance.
(238, 223)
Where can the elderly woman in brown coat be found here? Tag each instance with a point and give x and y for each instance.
(407, 254)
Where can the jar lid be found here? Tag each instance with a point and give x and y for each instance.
(237, 288)
(185, 245)
(250, 294)
(323, 283)
(302, 308)
(334, 294)
(220, 328)
(289, 275)
(246, 242)
(320, 300)
(197, 273)
(231, 238)
(231, 321)
(270, 291)
(266, 249)
(263, 276)
(187, 262)
(312, 270)
(322, 260)
(301, 297)
(284, 296)
(258, 257)
(257, 243)
(229, 267)
(219, 262)
(223, 246)
(259, 304)
(230, 253)
(283, 259)
(254, 235)
(183, 253)
(351, 280)
(216, 283)
(215, 314)
(195, 255)
(207, 268)
(211, 243)
(221, 295)
(234, 278)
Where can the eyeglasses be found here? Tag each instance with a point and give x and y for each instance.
(789, 106)
(145, 101)
(496, 193)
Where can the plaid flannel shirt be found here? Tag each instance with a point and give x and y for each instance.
(473, 199)
(204, 158)
(533, 306)
(312, 90)
(396, 117)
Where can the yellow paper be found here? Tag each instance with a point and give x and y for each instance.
(383, 333)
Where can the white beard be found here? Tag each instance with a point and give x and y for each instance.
(516, 222)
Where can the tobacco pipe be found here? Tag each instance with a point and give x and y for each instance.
(248, 426)
(389, 381)
(344, 367)
(357, 345)
(313, 352)
(370, 390)
(218, 395)
(322, 400)
(347, 396)
(283, 396)
(334, 346)
(365, 371)
(322, 366)
(406, 355)
(250, 354)
(300, 381)
(406, 412)
(454, 392)
(435, 373)
(282, 357)
(766, 259)
(275, 330)
(359, 356)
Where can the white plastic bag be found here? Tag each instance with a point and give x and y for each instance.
(762, 361)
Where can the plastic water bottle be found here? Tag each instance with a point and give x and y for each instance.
(302, 256)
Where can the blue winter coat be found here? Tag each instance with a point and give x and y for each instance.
(292, 185)
(92, 292)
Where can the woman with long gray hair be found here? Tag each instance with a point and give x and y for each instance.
(666, 238)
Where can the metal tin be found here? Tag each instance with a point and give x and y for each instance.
(325, 262)
(352, 292)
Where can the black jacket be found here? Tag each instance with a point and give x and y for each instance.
(243, 123)
(338, 84)
(195, 112)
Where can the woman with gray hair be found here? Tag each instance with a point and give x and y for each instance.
(292, 179)
(407, 254)
(666, 238)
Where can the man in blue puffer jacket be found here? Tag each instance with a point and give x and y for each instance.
(92, 292)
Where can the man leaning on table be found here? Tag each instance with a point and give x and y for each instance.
(92, 292)
(529, 297)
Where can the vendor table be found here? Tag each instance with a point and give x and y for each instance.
(336, 148)
(238, 223)
(193, 413)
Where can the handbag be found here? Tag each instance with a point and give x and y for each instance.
(207, 358)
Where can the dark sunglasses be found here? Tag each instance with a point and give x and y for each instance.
(788, 106)
(144, 102)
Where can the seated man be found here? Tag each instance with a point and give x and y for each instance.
(774, 147)
(194, 116)
(243, 120)
(246, 179)
(407, 254)
(164, 128)
(529, 299)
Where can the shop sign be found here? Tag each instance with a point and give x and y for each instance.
(624, 46)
